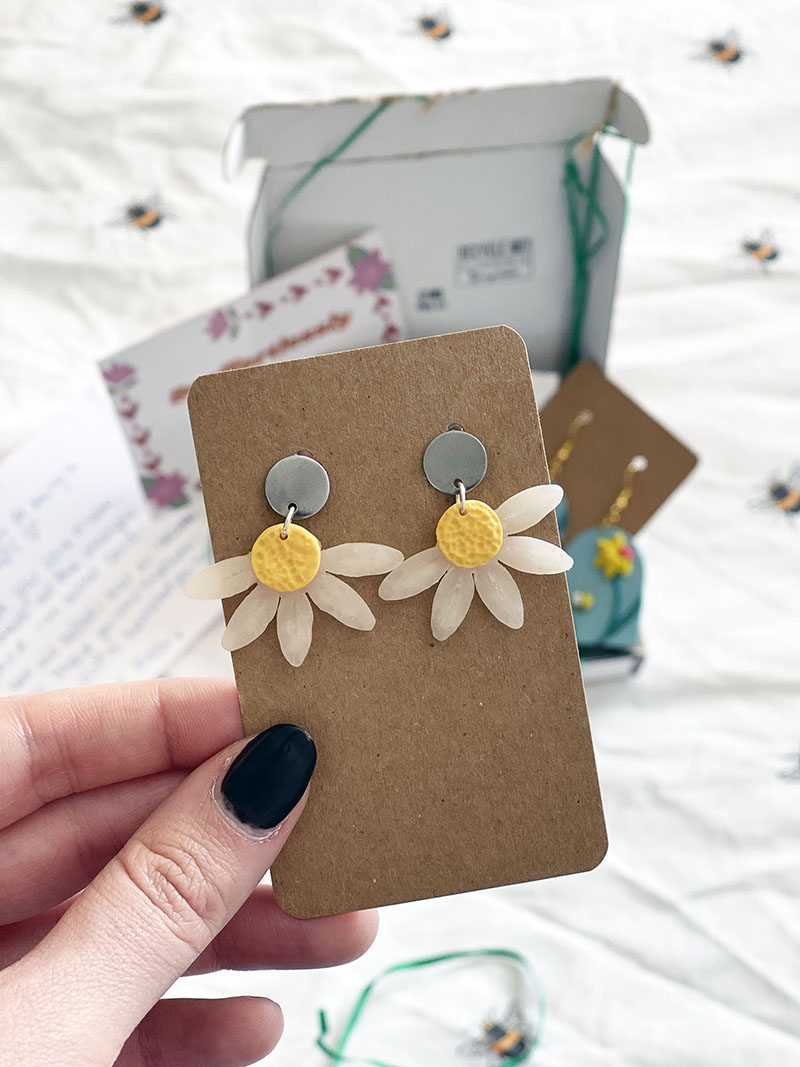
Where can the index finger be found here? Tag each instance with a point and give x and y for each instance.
(63, 742)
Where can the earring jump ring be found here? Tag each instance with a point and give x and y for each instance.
(288, 522)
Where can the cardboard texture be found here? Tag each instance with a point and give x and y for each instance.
(620, 430)
(468, 190)
(443, 767)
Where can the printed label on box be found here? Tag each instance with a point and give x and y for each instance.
(431, 299)
(506, 259)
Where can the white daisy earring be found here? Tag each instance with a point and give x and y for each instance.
(290, 569)
(475, 544)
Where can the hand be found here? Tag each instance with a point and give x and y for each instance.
(126, 861)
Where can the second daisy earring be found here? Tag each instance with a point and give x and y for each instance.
(290, 569)
(474, 543)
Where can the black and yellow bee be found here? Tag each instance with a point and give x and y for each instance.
(435, 26)
(142, 215)
(146, 13)
(502, 1039)
(761, 250)
(725, 50)
(782, 494)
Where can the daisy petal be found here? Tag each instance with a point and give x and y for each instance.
(226, 578)
(525, 509)
(251, 618)
(500, 593)
(417, 573)
(295, 620)
(534, 556)
(338, 599)
(451, 602)
(357, 559)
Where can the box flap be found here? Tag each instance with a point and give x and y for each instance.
(469, 120)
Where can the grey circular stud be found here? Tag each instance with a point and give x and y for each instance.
(454, 456)
(298, 480)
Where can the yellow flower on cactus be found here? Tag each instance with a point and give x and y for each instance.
(614, 556)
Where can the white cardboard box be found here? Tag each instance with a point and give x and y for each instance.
(468, 190)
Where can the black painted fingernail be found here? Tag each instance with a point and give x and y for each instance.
(269, 776)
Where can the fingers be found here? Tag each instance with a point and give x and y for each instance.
(55, 744)
(57, 850)
(259, 937)
(262, 936)
(204, 1033)
(174, 886)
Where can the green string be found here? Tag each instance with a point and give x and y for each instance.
(337, 1054)
(585, 217)
(585, 214)
(279, 211)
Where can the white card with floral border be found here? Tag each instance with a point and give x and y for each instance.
(345, 299)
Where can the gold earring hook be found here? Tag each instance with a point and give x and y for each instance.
(583, 418)
(636, 466)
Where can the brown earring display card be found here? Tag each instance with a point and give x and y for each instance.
(443, 767)
(593, 475)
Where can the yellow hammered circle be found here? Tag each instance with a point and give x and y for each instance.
(285, 565)
(472, 539)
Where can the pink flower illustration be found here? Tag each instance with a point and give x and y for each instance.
(371, 271)
(127, 408)
(166, 490)
(117, 374)
(391, 333)
(140, 435)
(217, 325)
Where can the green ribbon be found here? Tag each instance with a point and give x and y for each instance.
(337, 1053)
(280, 209)
(589, 228)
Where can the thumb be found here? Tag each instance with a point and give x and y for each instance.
(171, 889)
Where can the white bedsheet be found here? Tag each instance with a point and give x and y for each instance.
(683, 948)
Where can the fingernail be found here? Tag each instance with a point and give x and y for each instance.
(269, 776)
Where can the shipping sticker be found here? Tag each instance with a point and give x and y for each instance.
(431, 299)
(506, 259)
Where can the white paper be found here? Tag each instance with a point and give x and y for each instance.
(90, 580)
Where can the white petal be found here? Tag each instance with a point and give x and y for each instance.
(251, 618)
(338, 599)
(500, 593)
(357, 559)
(525, 509)
(226, 578)
(534, 556)
(451, 602)
(417, 573)
(295, 620)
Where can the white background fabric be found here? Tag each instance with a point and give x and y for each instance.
(683, 948)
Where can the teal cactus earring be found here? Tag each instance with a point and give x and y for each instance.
(605, 585)
(561, 458)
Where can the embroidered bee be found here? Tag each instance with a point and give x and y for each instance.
(782, 494)
(725, 50)
(142, 215)
(143, 13)
(761, 250)
(502, 1039)
(436, 27)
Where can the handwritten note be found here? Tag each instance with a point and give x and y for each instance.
(90, 579)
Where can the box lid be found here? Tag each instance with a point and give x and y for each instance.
(468, 190)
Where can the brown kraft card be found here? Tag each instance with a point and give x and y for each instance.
(443, 766)
(593, 475)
